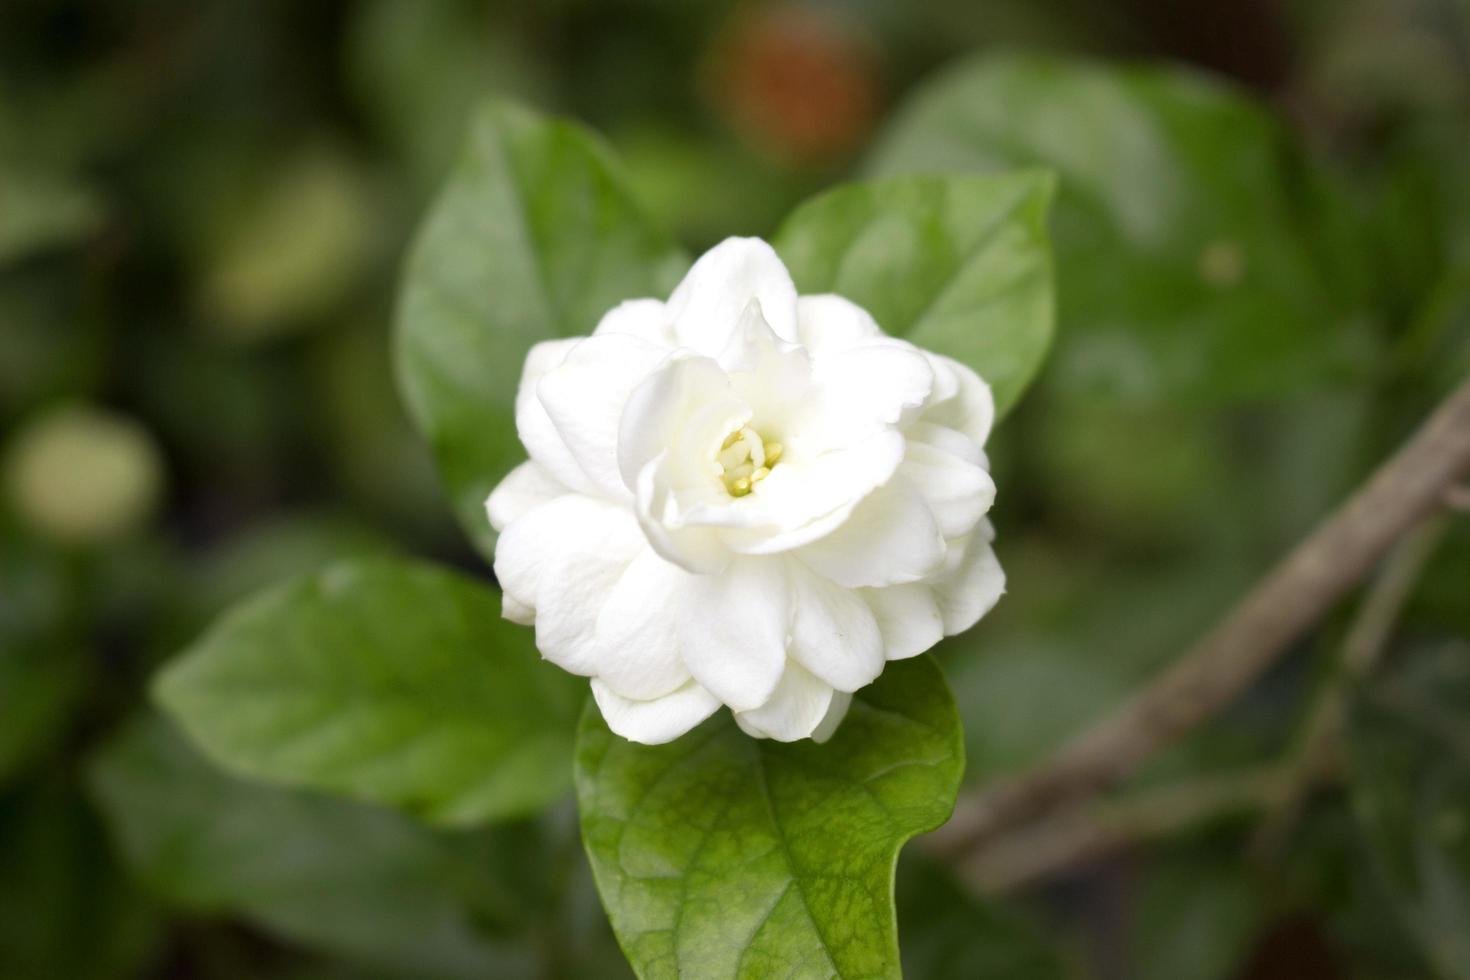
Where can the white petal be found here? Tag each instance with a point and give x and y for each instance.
(533, 540)
(562, 559)
(908, 618)
(798, 705)
(659, 720)
(890, 538)
(772, 377)
(698, 548)
(524, 488)
(707, 304)
(638, 629)
(958, 492)
(833, 632)
(647, 319)
(804, 499)
(584, 397)
(836, 711)
(975, 584)
(517, 611)
(961, 399)
(829, 323)
(733, 631)
(688, 397)
(533, 425)
(949, 440)
(880, 381)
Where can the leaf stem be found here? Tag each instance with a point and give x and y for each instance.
(1092, 830)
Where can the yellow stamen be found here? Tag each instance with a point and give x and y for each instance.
(744, 460)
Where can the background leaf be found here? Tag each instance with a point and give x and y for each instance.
(950, 934)
(1182, 221)
(535, 236)
(958, 265)
(719, 855)
(384, 681)
(342, 877)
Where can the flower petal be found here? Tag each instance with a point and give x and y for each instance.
(733, 631)
(804, 499)
(689, 398)
(647, 319)
(772, 377)
(798, 705)
(827, 323)
(584, 397)
(638, 629)
(697, 548)
(562, 559)
(656, 721)
(836, 711)
(833, 632)
(973, 585)
(706, 306)
(543, 443)
(958, 492)
(961, 400)
(516, 611)
(524, 488)
(884, 381)
(890, 538)
(908, 618)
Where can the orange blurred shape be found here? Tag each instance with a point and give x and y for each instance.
(798, 83)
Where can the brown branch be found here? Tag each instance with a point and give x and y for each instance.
(1091, 831)
(1249, 639)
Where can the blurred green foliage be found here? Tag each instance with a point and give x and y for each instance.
(1264, 282)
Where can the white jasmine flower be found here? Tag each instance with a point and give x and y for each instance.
(743, 497)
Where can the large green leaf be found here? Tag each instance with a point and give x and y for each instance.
(343, 877)
(958, 265)
(535, 236)
(385, 681)
(1410, 778)
(719, 855)
(1182, 225)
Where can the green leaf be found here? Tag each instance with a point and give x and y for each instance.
(719, 855)
(958, 265)
(342, 877)
(385, 681)
(1184, 222)
(535, 236)
(1410, 779)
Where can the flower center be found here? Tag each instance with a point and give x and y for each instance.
(745, 460)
